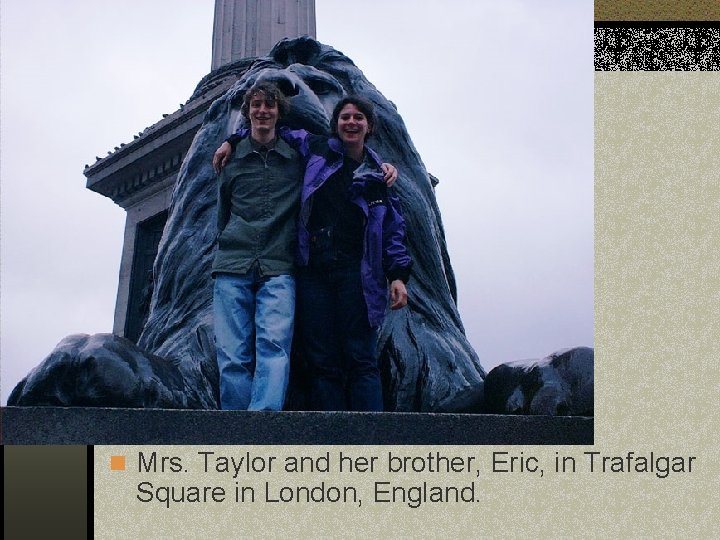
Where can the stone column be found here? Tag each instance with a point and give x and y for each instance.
(249, 28)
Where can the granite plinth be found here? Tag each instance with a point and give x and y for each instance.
(81, 425)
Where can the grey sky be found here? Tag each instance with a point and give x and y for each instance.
(497, 97)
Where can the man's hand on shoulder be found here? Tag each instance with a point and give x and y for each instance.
(390, 172)
(221, 157)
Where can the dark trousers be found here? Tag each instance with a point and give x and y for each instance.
(338, 344)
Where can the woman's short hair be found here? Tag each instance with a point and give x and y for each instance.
(365, 106)
(272, 94)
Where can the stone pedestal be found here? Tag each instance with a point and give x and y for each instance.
(79, 425)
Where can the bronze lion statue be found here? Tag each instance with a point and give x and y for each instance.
(426, 361)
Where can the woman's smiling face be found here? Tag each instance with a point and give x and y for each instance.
(353, 125)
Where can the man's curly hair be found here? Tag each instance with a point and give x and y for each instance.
(272, 94)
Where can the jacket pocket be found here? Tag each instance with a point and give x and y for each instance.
(235, 235)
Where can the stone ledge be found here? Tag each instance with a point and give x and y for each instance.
(85, 425)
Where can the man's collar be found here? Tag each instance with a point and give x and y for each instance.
(244, 147)
(283, 148)
(263, 146)
(248, 145)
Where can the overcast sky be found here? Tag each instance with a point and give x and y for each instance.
(497, 97)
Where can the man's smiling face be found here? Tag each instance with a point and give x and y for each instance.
(263, 113)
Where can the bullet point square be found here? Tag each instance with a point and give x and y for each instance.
(117, 463)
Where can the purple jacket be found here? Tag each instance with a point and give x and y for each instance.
(385, 257)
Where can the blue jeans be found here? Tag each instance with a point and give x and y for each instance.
(254, 318)
(337, 341)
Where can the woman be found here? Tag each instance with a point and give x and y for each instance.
(350, 246)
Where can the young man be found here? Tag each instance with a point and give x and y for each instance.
(254, 292)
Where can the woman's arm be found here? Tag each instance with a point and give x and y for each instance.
(221, 156)
(397, 262)
(223, 153)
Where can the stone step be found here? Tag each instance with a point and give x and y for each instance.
(91, 425)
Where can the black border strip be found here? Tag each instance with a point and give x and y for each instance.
(657, 48)
(90, 491)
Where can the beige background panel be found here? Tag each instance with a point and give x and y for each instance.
(657, 369)
(506, 504)
(657, 193)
